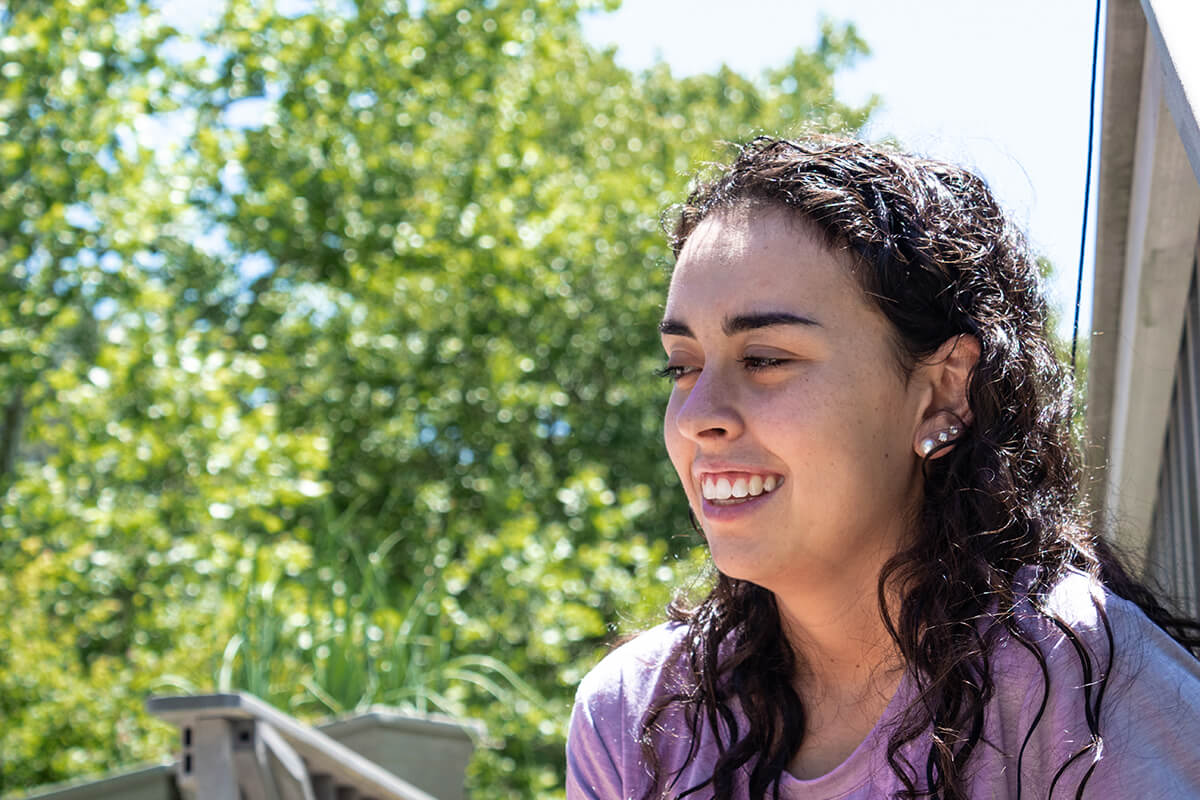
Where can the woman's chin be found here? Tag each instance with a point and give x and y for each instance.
(733, 560)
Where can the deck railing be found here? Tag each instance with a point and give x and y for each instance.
(235, 746)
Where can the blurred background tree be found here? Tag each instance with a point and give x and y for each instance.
(326, 352)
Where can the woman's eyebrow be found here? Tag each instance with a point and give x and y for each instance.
(748, 322)
(739, 323)
(671, 327)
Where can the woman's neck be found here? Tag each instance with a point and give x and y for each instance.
(842, 645)
(848, 669)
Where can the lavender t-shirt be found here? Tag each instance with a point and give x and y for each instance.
(1150, 718)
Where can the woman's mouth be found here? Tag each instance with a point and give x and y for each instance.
(732, 488)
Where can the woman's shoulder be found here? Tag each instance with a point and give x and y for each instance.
(1076, 606)
(1091, 674)
(633, 673)
(1076, 613)
(604, 756)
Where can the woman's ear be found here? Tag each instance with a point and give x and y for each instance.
(948, 413)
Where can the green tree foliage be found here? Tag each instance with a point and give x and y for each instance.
(326, 343)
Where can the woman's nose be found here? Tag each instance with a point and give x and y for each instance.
(709, 411)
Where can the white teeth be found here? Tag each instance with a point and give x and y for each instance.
(739, 489)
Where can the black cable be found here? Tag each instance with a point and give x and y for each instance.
(1087, 186)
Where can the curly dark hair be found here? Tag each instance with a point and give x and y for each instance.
(940, 258)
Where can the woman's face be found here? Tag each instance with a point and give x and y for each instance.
(791, 423)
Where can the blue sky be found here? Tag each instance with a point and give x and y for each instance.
(1001, 87)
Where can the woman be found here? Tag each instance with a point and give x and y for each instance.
(872, 431)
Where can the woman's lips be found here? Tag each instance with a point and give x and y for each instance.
(731, 494)
(729, 488)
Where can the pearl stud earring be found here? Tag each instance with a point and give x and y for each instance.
(942, 437)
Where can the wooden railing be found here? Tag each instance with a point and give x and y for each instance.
(236, 747)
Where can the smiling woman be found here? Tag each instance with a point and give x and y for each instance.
(871, 430)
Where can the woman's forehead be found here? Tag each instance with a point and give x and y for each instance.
(754, 256)
(727, 233)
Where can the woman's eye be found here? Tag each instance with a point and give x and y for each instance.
(755, 363)
(674, 371)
